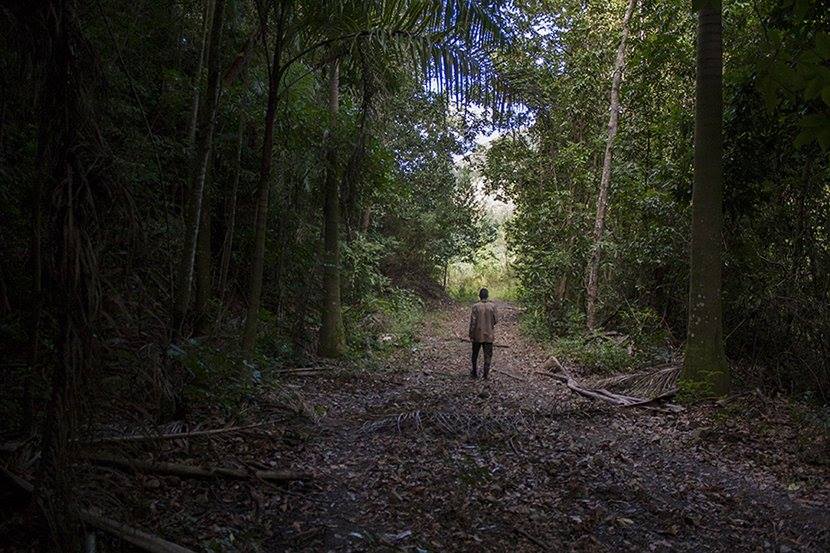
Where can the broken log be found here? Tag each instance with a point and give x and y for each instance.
(190, 471)
(133, 536)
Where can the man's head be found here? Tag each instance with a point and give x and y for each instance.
(483, 293)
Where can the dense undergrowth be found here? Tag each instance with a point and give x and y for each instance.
(776, 259)
(379, 322)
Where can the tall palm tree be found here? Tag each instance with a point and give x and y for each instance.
(332, 334)
(706, 368)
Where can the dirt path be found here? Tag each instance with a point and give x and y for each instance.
(520, 464)
(419, 457)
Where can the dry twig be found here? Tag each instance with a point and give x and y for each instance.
(510, 375)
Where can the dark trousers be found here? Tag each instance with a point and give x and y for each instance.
(488, 356)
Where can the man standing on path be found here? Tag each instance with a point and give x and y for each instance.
(482, 331)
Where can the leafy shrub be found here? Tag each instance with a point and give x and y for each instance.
(379, 317)
(384, 323)
(597, 355)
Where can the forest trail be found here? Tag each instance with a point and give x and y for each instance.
(510, 465)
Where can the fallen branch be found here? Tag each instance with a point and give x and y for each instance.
(190, 471)
(449, 423)
(621, 400)
(510, 375)
(10, 447)
(133, 536)
(302, 369)
(470, 342)
(555, 376)
(305, 371)
(174, 436)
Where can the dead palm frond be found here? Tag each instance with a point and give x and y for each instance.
(448, 423)
(648, 384)
(641, 389)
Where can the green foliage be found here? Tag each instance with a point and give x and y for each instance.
(534, 323)
(380, 318)
(643, 325)
(796, 72)
(595, 354)
(274, 347)
(217, 376)
(692, 391)
(776, 202)
(362, 276)
(428, 204)
(488, 268)
(384, 324)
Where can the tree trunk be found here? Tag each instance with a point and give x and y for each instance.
(204, 142)
(203, 258)
(227, 244)
(605, 181)
(705, 367)
(332, 335)
(72, 269)
(263, 189)
(207, 14)
(562, 289)
(36, 299)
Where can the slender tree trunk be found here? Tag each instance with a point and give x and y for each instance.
(227, 244)
(332, 335)
(562, 289)
(605, 181)
(263, 189)
(204, 142)
(207, 15)
(203, 264)
(36, 299)
(705, 366)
